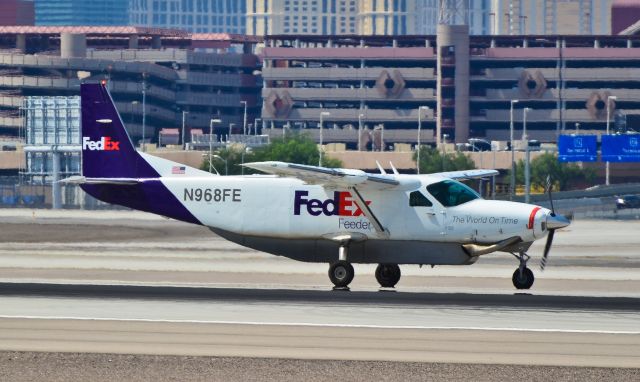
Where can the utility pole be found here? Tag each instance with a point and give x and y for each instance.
(184, 118)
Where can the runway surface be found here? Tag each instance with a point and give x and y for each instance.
(131, 283)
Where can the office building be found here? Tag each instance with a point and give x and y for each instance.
(81, 12)
(17, 12)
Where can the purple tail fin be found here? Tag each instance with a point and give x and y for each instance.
(107, 151)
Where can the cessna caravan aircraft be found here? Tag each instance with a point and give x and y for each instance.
(315, 214)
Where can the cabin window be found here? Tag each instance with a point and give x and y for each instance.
(451, 193)
(416, 199)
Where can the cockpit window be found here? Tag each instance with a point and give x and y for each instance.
(451, 193)
(416, 199)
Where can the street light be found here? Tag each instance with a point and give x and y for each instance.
(244, 124)
(322, 114)
(244, 150)
(226, 164)
(577, 128)
(512, 182)
(360, 131)
(527, 171)
(419, 130)
(255, 125)
(609, 99)
(213, 120)
(184, 117)
(144, 110)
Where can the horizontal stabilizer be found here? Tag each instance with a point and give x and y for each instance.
(85, 180)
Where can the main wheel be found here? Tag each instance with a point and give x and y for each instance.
(524, 280)
(388, 275)
(341, 273)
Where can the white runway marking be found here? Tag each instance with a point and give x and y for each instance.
(308, 324)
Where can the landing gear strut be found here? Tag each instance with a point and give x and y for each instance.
(523, 276)
(388, 275)
(341, 272)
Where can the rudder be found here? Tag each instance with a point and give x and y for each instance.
(107, 150)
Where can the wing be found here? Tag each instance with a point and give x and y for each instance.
(466, 174)
(334, 177)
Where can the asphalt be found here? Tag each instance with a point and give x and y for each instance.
(122, 295)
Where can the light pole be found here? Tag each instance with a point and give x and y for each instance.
(184, 119)
(577, 128)
(419, 131)
(527, 173)
(244, 123)
(213, 120)
(226, 164)
(255, 125)
(144, 110)
(360, 131)
(609, 99)
(244, 150)
(444, 150)
(512, 182)
(322, 114)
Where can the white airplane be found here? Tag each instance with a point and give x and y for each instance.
(315, 214)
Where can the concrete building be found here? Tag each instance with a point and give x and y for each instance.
(551, 17)
(565, 81)
(17, 12)
(302, 17)
(198, 16)
(198, 74)
(82, 12)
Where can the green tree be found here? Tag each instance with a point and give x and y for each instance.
(565, 175)
(432, 160)
(294, 148)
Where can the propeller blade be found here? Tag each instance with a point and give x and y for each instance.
(547, 247)
(553, 211)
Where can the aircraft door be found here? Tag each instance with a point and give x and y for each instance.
(432, 216)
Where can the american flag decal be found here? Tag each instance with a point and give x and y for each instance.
(178, 170)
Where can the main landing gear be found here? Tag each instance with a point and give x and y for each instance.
(388, 275)
(523, 276)
(341, 272)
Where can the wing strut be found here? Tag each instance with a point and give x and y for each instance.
(369, 214)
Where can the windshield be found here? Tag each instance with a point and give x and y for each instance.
(451, 193)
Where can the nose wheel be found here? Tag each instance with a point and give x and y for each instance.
(522, 277)
(341, 273)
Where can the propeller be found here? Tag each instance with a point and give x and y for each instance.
(554, 222)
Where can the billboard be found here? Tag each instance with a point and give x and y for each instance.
(577, 148)
(621, 148)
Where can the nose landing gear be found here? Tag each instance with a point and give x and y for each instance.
(522, 277)
(341, 273)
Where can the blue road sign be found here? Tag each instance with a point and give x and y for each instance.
(621, 148)
(577, 148)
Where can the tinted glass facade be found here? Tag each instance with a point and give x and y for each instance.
(82, 12)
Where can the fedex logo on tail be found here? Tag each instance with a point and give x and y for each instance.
(104, 144)
(342, 204)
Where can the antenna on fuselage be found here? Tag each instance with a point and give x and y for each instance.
(393, 168)
(380, 168)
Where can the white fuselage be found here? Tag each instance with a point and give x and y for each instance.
(286, 208)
